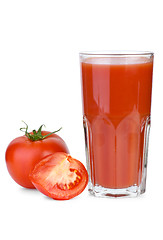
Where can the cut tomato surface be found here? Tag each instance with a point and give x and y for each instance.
(60, 176)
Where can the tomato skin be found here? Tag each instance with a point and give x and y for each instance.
(22, 155)
(39, 177)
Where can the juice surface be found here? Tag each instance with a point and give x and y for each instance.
(116, 106)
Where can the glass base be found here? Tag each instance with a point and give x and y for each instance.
(132, 191)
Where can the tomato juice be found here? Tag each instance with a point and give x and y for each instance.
(116, 107)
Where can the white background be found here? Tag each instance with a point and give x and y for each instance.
(40, 83)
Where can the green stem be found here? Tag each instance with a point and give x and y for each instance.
(36, 135)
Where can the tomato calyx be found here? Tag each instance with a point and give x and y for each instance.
(36, 135)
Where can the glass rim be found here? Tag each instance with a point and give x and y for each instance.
(116, 53)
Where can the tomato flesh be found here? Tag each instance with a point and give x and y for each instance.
(60, 176)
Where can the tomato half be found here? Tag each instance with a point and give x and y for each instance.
(60, 176)
(22, 155)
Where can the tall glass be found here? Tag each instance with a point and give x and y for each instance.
(116, 89)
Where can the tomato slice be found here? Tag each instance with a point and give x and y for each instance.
(60, 176)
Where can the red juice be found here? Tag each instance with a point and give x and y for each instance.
(116, 106)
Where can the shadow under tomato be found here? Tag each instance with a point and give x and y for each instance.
(29, 190)
(51, 199)
(34, 191)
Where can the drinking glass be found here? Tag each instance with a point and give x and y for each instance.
(116, 94)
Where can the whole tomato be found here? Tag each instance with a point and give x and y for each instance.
(24, 152)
